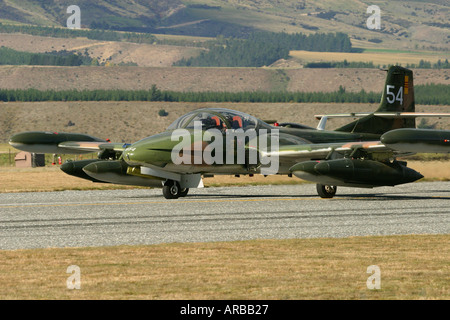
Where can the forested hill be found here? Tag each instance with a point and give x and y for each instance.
(264, 48)
(117, 13)
(403, 23)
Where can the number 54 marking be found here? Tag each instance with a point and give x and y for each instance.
(391, 97)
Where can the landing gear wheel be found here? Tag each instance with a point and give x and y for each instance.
(183, 192)
(171, 189)
(326, 191)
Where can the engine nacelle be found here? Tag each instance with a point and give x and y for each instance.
(116, 172)
(75, 168)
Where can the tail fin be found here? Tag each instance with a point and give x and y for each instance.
(398, 96)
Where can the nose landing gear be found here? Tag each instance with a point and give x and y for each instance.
(172, 190)
(326, 191)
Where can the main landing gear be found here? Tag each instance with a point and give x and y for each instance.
(326, 191)
(172, 190)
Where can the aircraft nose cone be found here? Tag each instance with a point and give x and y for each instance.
(140, 155)
(155, 150)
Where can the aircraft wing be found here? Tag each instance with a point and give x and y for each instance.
(325, 150)
(394, 143)
(92, 146)
(362, 164)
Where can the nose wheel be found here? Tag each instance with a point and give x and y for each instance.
(172, 190)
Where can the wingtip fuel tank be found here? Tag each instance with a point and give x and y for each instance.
(48, 142)
(412, 140)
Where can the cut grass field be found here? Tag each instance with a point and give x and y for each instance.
(124, 121)
(376, 56)
(411, 266)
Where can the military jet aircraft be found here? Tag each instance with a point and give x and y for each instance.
(215, 141)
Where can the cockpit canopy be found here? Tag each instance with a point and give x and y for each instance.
(218, 118)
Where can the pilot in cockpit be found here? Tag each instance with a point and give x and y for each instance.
(213, 122)
(217, 123)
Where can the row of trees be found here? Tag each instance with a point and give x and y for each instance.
(61, 58)
(264, 48)
(430, 94)
(428, 65)
(75, 33)
(341, 64)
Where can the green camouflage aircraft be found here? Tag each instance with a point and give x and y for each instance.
(216, 141)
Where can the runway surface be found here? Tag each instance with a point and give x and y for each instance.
(127, 217)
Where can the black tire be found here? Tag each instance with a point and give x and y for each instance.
(183, 192)
(325, 191)
(171, 189)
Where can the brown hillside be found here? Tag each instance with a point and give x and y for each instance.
(145, 55)
(131, 121)
(203, 79)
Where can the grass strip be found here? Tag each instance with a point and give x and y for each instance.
(412, 267)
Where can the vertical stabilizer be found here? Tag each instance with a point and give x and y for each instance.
(398, 96)
(398, 93)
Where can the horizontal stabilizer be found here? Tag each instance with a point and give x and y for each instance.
(383, 115)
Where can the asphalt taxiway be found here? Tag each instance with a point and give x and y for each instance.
(143, 216)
